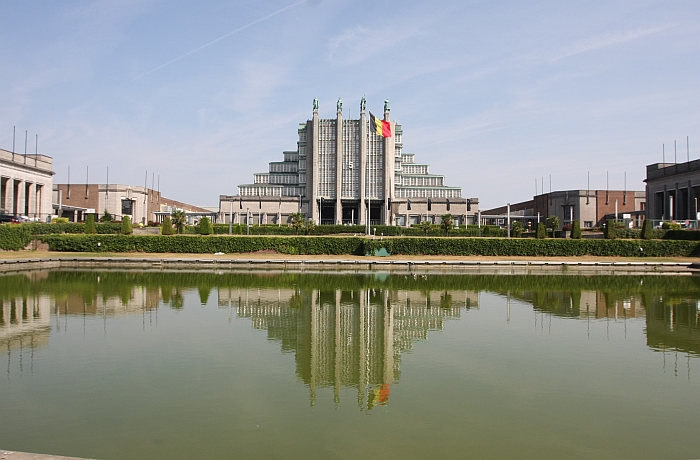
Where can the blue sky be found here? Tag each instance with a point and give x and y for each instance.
(493, 95)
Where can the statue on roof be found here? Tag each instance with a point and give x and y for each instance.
(363, 103)
(340, 105)
(315, 103)
(386, 105)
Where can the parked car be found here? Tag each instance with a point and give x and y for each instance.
(9, 219)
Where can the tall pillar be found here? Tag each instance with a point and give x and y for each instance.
(389, 152)
(19, 198)
(312, 162)
(675, 204)
(339, 164)
(363, 164)
(689, 214)
(664, 208)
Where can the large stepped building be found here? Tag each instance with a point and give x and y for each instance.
(341, 174)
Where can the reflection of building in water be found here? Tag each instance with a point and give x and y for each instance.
(347, 338)
(674, 324)
(25, 321)
(133, 299)
(584, 304)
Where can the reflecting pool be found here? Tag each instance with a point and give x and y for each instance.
(114, 365)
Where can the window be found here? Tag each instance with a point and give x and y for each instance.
(587, 224)
(127, 207)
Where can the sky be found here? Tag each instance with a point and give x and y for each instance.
(495, 96)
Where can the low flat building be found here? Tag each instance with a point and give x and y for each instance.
(590, 207)
(25, 185)
(141, 204)
(673, 190)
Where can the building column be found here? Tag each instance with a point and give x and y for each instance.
(675, 204)
(312, 161)
(664, 208)
(363, 166)
(18, 206)
(339, 164)
(389, 147)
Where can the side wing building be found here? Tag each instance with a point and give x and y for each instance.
(342, 172)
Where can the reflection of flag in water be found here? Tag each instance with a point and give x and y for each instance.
(380, 396)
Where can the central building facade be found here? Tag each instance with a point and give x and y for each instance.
(343, 172)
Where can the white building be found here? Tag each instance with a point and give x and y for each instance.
(25, 184)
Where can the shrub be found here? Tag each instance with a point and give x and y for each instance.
(610, 231)
(552, 223)
(179, 218)
(90, 224)
(14, 237)
(517, 229)
(576, 230)
(167, 227)
(127, 228)
(646, 230)
(59, 220)
(671, 226)
(541, 231)
(447, 223)
(106, 217)
(204, 227)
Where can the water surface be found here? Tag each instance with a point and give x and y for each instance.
(217, 365)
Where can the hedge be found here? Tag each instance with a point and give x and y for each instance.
(203, 244)
(14, 237)
(359, 245)
(71, 227)
(387, 230)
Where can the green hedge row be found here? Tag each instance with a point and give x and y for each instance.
(202, 244)
(359, 246)
(71, 227)
(387, 230)
(14, 237)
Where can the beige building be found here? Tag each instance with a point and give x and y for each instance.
(342, 172)
(141, 204)
(590, 207)
(673, 189)
(25, 184)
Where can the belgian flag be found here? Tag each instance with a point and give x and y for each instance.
(380, 127)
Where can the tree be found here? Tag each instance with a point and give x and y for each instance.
(609, 230)
(297, 221)
(178, 218)
(426, 226)
(106, 217)
(646, 229)
(90, 224)
(127, 228)
(446, 222)
(167, 227)
(541, 231)
(309, 226)
(576, 230)
(205, 226)
(553, 223)
(516, 229)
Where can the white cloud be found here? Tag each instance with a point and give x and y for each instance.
(609, 39)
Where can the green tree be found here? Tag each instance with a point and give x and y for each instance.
(309, 226)
(553, 223)
(541, 231)
(447, 222)
(516, 229)
(205, 226)
(90, 224)
(297, 221)
(426, 226)
(127, 228)
(167, 227)
(609, 231)
(646, 229)
(576, 230)
(106, 217)
(178, 217)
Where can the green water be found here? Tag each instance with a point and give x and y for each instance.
(118, 365)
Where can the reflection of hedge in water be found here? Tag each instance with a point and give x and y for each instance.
(120, 283)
